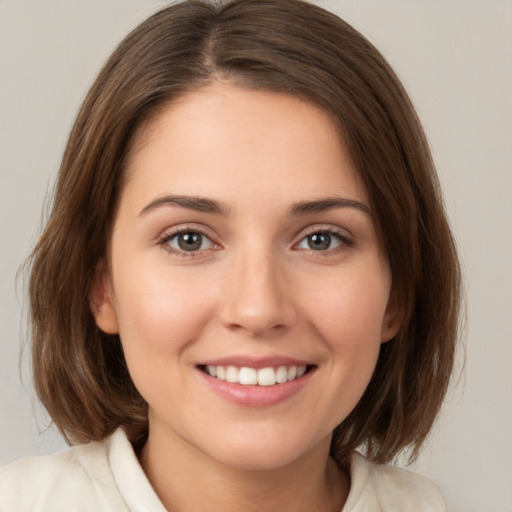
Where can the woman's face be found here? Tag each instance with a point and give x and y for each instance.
(244, 252)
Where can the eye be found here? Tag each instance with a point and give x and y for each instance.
(187, 241)
(323, 241)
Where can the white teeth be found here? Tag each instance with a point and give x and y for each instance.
(232, 374)
(281, 374)
(266, 377)
(292, 372)
(250, 376)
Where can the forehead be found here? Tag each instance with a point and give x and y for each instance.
(224, 137)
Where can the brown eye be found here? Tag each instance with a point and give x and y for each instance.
(189, 241)
(319, 241)
(322, 241)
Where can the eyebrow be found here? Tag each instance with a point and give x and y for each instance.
(321, 205)
(199, 204)
(205, 205)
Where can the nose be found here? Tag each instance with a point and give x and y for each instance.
(258, 297)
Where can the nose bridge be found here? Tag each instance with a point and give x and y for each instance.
(256, 297)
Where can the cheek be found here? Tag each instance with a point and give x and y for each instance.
(348, 314)
(159, 313)
(351, 310)
(159, 316)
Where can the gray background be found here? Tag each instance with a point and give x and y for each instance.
(455, 59)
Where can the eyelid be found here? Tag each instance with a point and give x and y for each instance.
(325, 228)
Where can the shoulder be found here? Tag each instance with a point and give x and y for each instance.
(79, 477)
(381, 487)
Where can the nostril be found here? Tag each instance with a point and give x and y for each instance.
(263, 320)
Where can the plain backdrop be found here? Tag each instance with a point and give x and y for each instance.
(455, 60)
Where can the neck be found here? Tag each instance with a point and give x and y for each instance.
(189, 481)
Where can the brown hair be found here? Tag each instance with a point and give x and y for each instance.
(289, 46)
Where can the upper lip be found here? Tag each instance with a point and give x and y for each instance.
(255, 362)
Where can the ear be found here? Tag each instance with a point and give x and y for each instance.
(101, 301)
(393, 316)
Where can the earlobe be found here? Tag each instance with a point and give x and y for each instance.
(393, 317)
(101, 302)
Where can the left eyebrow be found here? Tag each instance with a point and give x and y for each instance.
(321, 205)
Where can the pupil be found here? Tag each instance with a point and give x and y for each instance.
(319, 241)
(189, 241)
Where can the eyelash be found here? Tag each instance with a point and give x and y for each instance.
(345, 241)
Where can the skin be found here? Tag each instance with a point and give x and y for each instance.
(254, 288)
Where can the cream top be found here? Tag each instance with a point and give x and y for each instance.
(107, 476)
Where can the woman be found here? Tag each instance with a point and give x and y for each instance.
(247, 274)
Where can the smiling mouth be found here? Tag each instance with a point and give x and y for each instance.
(247, 376)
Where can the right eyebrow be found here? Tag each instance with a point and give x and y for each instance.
(199, 204)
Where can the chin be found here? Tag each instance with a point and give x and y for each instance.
(266, 453)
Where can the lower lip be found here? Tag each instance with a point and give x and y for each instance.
(256, 396)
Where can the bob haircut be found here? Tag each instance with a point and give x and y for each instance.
(289, 46)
